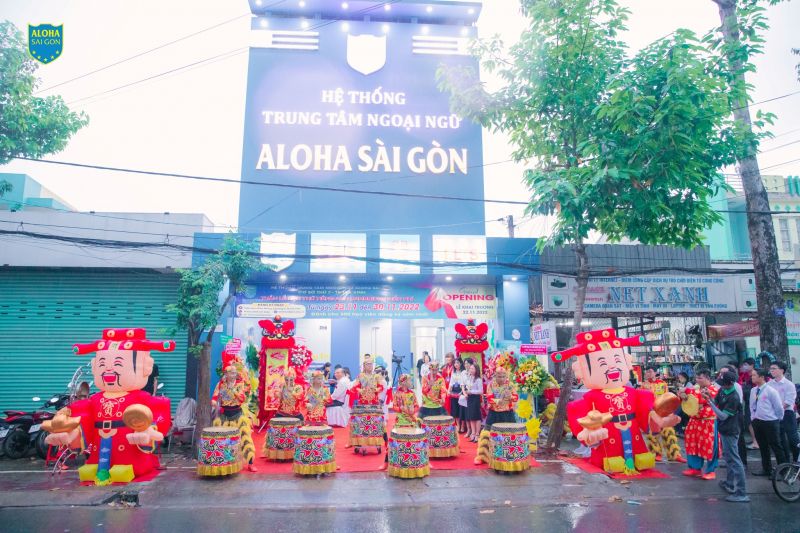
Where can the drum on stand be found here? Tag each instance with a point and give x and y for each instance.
(281, 433)
(314, 451)
(219, 452)
(509, 447)
(408, 453)
(442, 436)
(367, 426)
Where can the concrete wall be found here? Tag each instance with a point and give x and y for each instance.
(24, 250)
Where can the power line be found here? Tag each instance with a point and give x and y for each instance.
(780, 164)
(229, 53)
(244, 228)
(601, 271)
(218, 57)
(779, 147)
(325, 189)
(145, 52)
(279, 185)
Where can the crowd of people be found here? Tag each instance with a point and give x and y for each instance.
(719, 410)
(455, 388)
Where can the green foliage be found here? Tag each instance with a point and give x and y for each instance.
(5, 187)
(251, 357)
(198, 306)
(630, 146)
(29, 126)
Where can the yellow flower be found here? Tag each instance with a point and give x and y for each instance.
(524, 409)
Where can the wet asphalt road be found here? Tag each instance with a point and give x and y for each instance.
(765, 514)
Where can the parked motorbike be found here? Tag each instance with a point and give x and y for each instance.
(21, 430)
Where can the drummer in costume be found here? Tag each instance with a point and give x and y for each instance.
(611, 417)
(317, 397)
(292, 397)
(434, 392)
(121, 423)
(664, 443)
(230, 398)
(405, 403)
(703, 443)
(366, 390)
(501, 397)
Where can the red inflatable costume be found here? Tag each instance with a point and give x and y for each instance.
(611, 418)
(122, 423)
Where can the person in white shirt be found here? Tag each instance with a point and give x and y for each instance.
(339, 412)
(788, 394)
(766, 412)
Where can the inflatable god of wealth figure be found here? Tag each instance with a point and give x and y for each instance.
(121, 423)
(611, 417)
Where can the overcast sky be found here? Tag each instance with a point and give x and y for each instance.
(191, 122)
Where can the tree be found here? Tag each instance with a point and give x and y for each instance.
(198, 309)
(29, 126)
(742, 23)
(631, 147)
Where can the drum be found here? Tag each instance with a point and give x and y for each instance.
(509, 447)
(442, 436)
(408, 453)
(279, 444)
(219, 453)
(314, 451)
(367, 425)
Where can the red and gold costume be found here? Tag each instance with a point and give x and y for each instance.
(317, 397)
(703, 443)
(434, 393)
(231, 401)
(367, 388)
(405, 403)
(292, 398)
(610, 418)
(664, 443)
(120, 424)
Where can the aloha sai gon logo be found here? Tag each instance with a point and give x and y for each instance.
(45, 42)
(366, 53)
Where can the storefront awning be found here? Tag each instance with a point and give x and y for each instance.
(746, 328)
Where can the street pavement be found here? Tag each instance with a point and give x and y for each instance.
(556, 497)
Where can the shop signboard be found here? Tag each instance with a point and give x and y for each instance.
(793, 319)
(332, 106)
(544, 334)
(653, 294)
(370, 301)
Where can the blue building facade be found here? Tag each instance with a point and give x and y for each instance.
(364, 190)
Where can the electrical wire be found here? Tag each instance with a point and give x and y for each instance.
(145, 52)
(327, 189)
(600, 271)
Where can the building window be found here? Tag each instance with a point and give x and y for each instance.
(786, 239)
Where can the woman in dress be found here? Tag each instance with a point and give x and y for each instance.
(454, 393)
(472, 390)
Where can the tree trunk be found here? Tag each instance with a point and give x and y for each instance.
(764, 249)
(203, 411)
(582, 280)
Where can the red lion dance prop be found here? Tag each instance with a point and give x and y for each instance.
(276, 342)
(471, 341)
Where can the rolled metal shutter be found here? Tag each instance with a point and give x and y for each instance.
(43, 312)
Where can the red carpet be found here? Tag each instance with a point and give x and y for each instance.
(349, 461)
(589, 468)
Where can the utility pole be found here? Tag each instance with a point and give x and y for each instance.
(510, 224)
